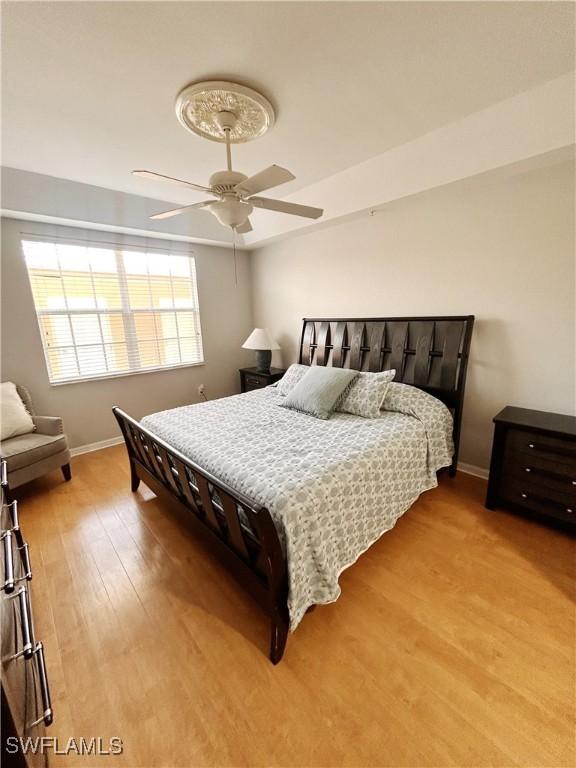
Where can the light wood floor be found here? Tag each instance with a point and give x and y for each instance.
(452, 643)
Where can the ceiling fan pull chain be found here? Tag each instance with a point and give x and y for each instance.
(235, 263)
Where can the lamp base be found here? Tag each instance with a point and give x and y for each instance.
(263, 360)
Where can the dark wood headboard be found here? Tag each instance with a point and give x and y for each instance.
(430, 353)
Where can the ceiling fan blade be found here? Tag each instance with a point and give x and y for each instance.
(283, 207)
(243, 228)
(177, 211)
(161, 177)
(266, 179)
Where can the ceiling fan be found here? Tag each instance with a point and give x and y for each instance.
(230, 113)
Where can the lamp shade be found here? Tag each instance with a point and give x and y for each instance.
(260, 339)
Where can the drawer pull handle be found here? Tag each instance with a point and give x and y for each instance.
(528, 469)
(47, 715)
(573, 482)
(9, 581)
(570, 510)
(3, 472)
(25, 555)
(25, 624)
(13, 509)
(13, 512)
(524, 495)
(530, 445)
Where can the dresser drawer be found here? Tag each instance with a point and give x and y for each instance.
(543, 471)
(534, 498)
(254, 382)
(251, 378)
(529, 483)
(557, 451)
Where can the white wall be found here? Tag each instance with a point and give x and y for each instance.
(501, 248)
(226, 318)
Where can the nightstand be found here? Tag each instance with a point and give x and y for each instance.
(252, 378)
(533, 465)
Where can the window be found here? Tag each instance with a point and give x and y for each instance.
(111, 311)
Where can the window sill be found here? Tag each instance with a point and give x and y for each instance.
(124, 374)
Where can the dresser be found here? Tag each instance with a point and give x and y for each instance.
(533, 464)
(26, 706)
(252, 378)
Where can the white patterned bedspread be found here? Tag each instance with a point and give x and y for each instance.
(332, 487)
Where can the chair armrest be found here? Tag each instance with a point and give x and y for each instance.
(48, 425)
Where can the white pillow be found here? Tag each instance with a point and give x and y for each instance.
(292, 376)
(14, 418)
(366, 395)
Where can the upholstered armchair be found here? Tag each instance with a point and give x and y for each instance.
(36, 453)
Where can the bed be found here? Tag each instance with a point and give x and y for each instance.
(289, 501)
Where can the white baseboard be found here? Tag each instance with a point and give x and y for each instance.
(468, 469)
(96, 446)
(471, 469)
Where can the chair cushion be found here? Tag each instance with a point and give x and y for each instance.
(23, 450)
(15, 418)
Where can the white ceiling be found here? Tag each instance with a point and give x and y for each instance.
(89, 87)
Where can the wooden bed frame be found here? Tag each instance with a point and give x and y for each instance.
(428, 352)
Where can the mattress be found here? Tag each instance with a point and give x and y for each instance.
(332, 487)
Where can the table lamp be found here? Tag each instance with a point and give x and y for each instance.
(263, 343)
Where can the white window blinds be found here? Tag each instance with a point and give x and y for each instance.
(110, 311)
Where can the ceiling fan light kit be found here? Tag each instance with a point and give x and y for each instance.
(231, 114)
(232, 213)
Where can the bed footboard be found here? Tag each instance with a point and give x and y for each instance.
(241, 532)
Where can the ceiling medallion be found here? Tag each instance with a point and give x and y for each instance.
(198, 104)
